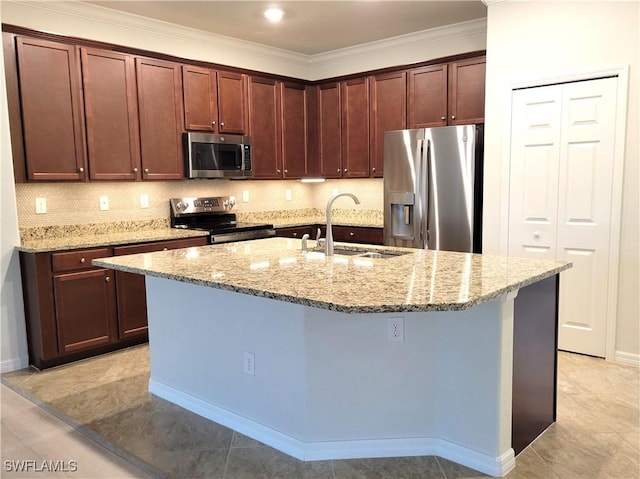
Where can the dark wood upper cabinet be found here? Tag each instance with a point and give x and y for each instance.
(355, 128)
(449, 94)
(427, 98)
(329, 130)
(388, 111)
(111, 115)
(294, 130)
(214, 101)
(51, 100)
(160, 113)
(264, 128)
(466, 91)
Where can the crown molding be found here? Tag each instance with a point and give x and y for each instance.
(222, 49)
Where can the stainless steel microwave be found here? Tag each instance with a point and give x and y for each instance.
(217, 156)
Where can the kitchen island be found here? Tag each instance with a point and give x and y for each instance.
(347, 356)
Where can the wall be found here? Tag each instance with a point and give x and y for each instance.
(537, 40)
(86, 21)
(12, 330)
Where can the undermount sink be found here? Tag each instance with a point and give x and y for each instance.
(366, 254)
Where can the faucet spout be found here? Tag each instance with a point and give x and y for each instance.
(328, 248)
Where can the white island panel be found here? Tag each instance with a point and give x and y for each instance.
(329, 384)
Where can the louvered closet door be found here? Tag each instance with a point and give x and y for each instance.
(562, 149)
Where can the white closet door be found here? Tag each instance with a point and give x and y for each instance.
(584, 212)
(535, 149)
(561, 183)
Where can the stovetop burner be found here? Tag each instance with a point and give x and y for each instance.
(213, 214)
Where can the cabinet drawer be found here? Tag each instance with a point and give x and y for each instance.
(358, 234)
(160, 246)
(77, 260)
(294, 231)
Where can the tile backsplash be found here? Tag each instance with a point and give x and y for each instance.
(79, 203)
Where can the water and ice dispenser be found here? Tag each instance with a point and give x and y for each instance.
(402, 215)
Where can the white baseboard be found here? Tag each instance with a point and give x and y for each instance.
(627, 358)
(14, 364)
(343, 449)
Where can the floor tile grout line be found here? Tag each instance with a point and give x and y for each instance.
(85, 432)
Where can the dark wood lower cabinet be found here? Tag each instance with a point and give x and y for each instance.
(75, 310)
(84, 305)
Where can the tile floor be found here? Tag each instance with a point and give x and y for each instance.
(112, 427)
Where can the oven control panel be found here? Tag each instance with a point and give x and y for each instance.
(210, 204)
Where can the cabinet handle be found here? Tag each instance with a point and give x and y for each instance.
(453, 117)
(107, 279)
(443, 118)
(82, 260)
(135, 170)
(81, 170)
(146, 170)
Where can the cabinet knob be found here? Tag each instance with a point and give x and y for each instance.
(453, 117)
(222, 123)
(338, 170)
(443, 118)
(286, 171)
(277, 171)
(81, 170)
(351, 233)
(295, 234)
(373, 169)
(107, 279)
(135, 170)
(213, 123)
(345, 170)
(146, 170)
(82, 260)
(165, 249)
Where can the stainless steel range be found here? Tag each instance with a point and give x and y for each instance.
(214, 214)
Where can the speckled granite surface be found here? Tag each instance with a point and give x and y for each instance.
(275, 268)
(307, 216)
(67, 237)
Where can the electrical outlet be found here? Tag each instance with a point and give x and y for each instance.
(104, 203)
(395, 329)
(144, 201)
(245, 196)
(41, 206)
(249, 363)
(287, 194)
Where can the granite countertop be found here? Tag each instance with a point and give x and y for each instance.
(419, 280)
(69, 241)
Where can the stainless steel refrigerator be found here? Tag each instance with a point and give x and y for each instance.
(433, 188)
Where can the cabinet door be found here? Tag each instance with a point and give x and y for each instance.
(466, 91)
(49, 76)
(355, 128)
(427, 98)
(294, 130)
(232, 93)
(388, 111)
(111, 115)
(330, 131)
(264, 128)
(84, 308)
(160, 111)
(200, 98)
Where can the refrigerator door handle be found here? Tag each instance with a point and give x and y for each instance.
(423, 193)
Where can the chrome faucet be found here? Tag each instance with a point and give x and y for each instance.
(328, 247)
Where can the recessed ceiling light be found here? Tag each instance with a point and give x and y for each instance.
(274, 14)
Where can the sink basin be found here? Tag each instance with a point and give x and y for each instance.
(366, 254)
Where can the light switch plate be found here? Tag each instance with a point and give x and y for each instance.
(144, 201)
(245, 196)
(104, 203)
(287, 194)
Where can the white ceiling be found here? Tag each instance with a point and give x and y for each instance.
(308, 27)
